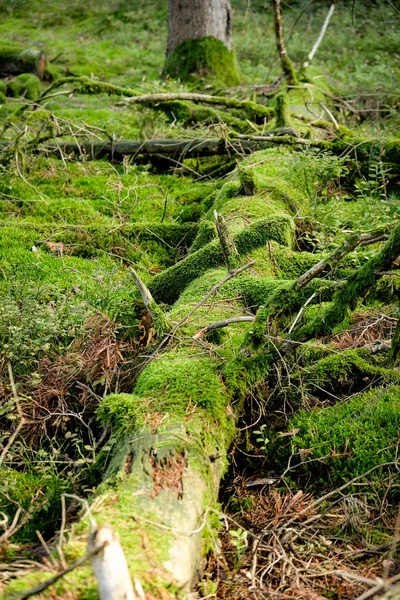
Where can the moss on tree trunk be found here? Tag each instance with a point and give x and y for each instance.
(207, 57)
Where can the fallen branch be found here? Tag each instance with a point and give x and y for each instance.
(324, 27)
(253, 108)
(213, 290)
(240, 144)
(350, 244)
(192, 148)
(229, 250)
(219, 324)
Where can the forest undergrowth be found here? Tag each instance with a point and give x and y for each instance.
(299, 338)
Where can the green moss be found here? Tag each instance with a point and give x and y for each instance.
(347, 370)
(293, 264)
(207, 57)
(356, 287)
(206, 233)
(125, 411)
(260, 291)
(167, 286)
(178, 382)
(37, 492)
(282, 111)
(350, 437)
(26, 84)
(188, 114)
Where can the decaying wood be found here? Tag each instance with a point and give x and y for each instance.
(349, 245)
(286, 63)
(22, 61)
(229, 250)
(143, 289)
(169, 148)
(157, 316)
(238, 144)
(150, 99)
(109, 565)
(324, 27)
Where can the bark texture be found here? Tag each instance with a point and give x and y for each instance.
(199, 41)
(195, 19)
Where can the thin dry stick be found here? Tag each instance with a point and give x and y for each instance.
(349, 245)
(395, 541)
(220, 324)
(302, 309)
(22, 418)
(45, 584)
(321, 35)
(339, 489)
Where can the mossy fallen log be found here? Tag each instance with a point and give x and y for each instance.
(167, 286)
(171, 435)
(176, 149)
(256, 112)
(359, 149)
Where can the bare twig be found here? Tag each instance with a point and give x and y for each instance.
(22, 422)
(220, 324)
(45, 584)
(340, 489)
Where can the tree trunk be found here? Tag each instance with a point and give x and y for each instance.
(14, 61)
(194, 19)
(199, 40)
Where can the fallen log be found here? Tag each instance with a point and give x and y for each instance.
(171, 435)
(358, 148)
(181, 149)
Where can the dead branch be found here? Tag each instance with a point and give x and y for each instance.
(219, 324)
(320, 37)
(247, 105)
(229, 250)
(350, 244)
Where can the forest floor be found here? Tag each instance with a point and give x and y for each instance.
(309, 504)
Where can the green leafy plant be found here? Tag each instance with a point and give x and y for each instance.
(238, 539)
(262, 438)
